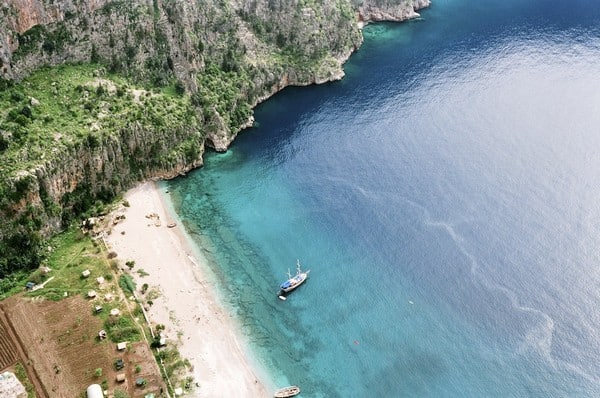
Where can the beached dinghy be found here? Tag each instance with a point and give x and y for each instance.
(290, 391)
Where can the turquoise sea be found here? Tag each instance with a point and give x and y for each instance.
(446, 197)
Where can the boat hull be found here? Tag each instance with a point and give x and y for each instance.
(285, 392)
(293, 283)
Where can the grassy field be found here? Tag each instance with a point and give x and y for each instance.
(70, 253)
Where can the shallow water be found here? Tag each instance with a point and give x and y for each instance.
(445, 196)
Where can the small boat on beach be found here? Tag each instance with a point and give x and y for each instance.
(285, 392)
(293, 281)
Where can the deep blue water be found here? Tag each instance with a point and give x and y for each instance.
(446, 197)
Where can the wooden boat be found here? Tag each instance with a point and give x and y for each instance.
(293, 281)
(290, 391)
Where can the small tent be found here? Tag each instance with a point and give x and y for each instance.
(94, 391)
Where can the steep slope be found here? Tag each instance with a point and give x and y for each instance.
(167, 77)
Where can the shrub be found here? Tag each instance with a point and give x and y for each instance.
(120, 394)
(127, 284)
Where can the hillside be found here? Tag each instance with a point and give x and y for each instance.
(97, 95)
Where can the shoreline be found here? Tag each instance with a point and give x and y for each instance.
(188, 305)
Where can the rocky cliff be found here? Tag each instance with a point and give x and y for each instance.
(223, 57)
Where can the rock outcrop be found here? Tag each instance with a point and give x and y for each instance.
(389, 10)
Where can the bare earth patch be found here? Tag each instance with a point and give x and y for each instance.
(60, 340)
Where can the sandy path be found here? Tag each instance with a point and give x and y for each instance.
(187, 305)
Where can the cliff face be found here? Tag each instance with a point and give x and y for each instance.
(164, 38)
(389, 10)
(226, 55)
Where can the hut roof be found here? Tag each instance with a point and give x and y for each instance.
(94, 391)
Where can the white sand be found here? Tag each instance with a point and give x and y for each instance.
(188, 306)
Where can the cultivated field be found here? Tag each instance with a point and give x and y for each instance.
(60, 340)
(8, 351)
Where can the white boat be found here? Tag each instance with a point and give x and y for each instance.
(285, 392)
(293, 281)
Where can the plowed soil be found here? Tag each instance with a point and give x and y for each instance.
(59, 344)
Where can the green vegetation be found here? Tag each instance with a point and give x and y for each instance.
(70, 106)
(21, 244)
(120, 394)
(105, 125)
(174, 365)
(72, 253)
(127, 284)
(225, 93)
(141, 272)
(21, 374)
(13, 283)
(122, 328)
(61, 116)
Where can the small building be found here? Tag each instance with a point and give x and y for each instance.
(86, 273)
(91, 294)
(120, 377)
(94, 391)
(115, 312)
(122, 346)
(108, 297)
(100, 280)
(98, 308)
(10, 386)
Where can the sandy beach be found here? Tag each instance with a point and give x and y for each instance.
(187, 305)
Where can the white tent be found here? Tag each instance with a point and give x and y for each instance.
(94, 391)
